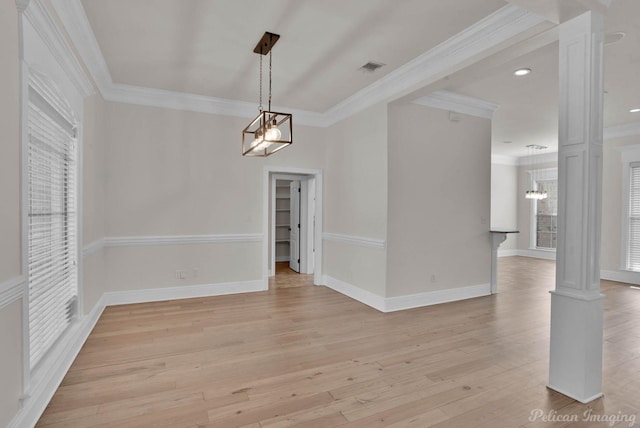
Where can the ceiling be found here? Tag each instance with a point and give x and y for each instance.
(528, 112)
(205, 47)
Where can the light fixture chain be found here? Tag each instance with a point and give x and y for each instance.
(270, 57)
(260, 106)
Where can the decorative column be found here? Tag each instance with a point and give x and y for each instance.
(575, 366)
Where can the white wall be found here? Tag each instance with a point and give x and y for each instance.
(179, 173)
(11, 315)
(612, 202)
(355, 199)
(93, 197)
(9, 144)
(439, 201)
(504, 201)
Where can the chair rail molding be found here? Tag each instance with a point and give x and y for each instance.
(12, 290)
(355, 240)
(93, 247)
(130, 241)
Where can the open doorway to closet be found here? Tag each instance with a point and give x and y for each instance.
(294, 228)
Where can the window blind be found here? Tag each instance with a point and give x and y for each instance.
(52, 271)
(633, 258)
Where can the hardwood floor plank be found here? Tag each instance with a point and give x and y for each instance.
(306, 356)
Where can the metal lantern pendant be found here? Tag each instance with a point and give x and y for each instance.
(270, 131)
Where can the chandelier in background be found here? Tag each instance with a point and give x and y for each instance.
(535, 194)
(270, 131)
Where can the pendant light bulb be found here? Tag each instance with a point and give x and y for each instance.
(273, 133)
(258, 141)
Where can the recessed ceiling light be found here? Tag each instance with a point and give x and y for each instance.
(522, 71)
(507, 142)
(634, 110)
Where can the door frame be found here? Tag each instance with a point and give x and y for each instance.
(270, 174)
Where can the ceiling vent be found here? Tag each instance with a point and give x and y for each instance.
(611, 38)
(371, 66)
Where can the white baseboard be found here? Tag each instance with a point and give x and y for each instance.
(41, 394)
(356, 293)
(392, 304)
(625, 276)
(508, 253)
(436, 297)
(621, 276)
(186, 292)
(536, 254)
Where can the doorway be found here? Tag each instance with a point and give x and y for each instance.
(293, 219)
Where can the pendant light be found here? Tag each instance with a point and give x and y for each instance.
(534, 194)
(270, 131)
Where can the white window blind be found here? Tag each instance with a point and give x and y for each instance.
(633, 257)
(52, 246)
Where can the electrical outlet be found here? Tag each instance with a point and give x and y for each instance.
(433, 278)
(181, 274)
(195, 273)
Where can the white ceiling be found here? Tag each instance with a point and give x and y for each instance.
(205, 47)
(528, 112)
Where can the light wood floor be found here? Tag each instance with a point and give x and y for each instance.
(310, 357)
(285, 277)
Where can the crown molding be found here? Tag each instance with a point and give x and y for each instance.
(446, 100)
(481, 37)
(628, 130)
(39, 16)
(502, 25)
(75, 21)
(22, 5)
(118, 92)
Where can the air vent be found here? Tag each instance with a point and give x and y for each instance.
(611, 38)
(371, 66)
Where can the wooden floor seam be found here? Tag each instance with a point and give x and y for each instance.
(299, 355)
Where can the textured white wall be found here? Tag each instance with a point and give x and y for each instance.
(439, 201)
(612, 201)
(355, 201)
(93, 195)
(171, 172)
(10, 316)
(9, 143)
(504, 203)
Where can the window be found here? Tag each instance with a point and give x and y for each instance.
(633, 218)
(547, 215)
(544, 212)
(51, 236)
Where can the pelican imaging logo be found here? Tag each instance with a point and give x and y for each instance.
(611, 419)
